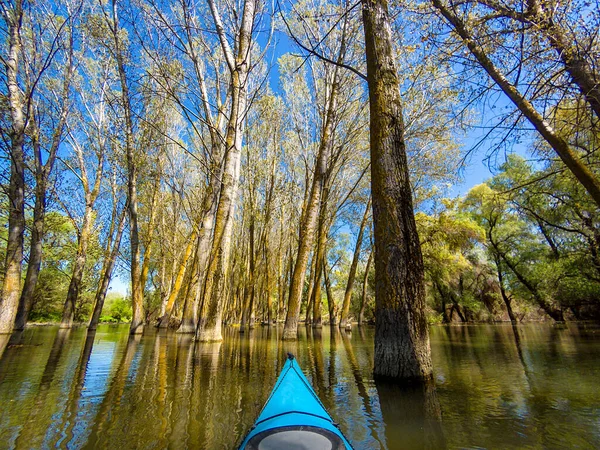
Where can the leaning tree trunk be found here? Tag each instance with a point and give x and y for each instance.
(353, 266)
(401, 336)
(555, 313)
(363, 299)
(42, 173)
(77, 275)
(35, 257)
(11, 285)
(562, 148)
(184, 267)
(107, 274)
(330, 297)
(505, 297)
(309, 222)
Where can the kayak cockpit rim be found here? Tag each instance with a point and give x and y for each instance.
(296, 437)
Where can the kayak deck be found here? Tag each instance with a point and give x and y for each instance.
(294, 418)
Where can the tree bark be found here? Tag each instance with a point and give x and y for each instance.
(353, 266)
(11, 286)
(401, 337)
(248, 305)
(189, 322)
(317, 320)
(35, 256)
(309, 293)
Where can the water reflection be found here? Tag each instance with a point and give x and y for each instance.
(496, 387)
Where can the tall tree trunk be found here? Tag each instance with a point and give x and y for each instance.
(78, 268)
(42, 174)
(363, 299)
(107, 273)
(401, 336)
(353, 266)
(189, 321)
(562, 148)
(309, 221)
(11, 286)
(239, 66)
(150, 234)
(137, 290)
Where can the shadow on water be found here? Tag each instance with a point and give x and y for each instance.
(361, 386)
(69, 420)
(38, 413)
(4, 338)
(412, 415)
(112, 398)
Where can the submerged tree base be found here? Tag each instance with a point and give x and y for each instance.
(136, 329)
(212, 334)
(186, 328)
(289, 334)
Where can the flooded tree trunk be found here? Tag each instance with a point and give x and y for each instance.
(401, 336)
(189, 321)
(309, 294)
(248, 306)
(239, 67)
(353, 266)
(137, 293)
(11, 286)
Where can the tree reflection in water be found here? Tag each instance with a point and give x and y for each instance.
(496, 386)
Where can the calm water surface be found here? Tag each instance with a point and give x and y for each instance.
(535, 386)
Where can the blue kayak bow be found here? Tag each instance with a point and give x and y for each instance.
(294, 418)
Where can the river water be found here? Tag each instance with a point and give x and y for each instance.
(532, 386)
